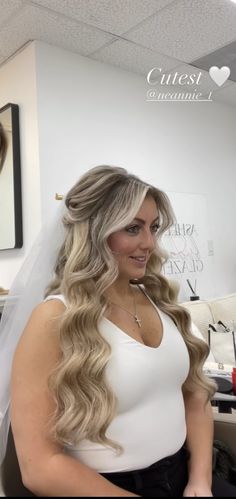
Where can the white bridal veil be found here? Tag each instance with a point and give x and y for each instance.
(26, 292)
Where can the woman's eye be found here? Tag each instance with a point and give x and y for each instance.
(134, 229)
(155, 228)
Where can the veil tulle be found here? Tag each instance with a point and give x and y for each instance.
(26, 292)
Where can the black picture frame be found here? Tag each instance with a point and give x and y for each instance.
(11, 230)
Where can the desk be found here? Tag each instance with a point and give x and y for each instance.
(223, 377)
(224, 402)
(2, 301)
(3, 298)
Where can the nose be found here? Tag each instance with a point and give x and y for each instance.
(148, 240)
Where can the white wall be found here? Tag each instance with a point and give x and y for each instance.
(18, 86)
(91, 113)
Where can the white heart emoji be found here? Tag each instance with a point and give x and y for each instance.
(219, 75)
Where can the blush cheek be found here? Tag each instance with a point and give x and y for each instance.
(121, 246)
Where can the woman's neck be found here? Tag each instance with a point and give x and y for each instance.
(120, 289)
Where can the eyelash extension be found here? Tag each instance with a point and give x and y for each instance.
(134, 227)
(157, 226)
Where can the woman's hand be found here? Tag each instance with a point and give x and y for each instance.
(197, 490)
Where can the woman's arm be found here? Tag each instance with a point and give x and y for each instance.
(199, 421)
(46, 469)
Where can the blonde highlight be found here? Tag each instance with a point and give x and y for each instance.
(104, 200)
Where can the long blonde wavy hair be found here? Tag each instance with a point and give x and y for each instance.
(106, 199)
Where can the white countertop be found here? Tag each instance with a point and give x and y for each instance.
(3, 298)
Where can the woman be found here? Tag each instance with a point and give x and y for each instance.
(107, 383)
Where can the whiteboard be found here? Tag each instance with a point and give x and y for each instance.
(187, 245)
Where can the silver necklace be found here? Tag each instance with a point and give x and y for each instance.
(137, 320)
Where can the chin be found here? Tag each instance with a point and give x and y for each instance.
(138, 274)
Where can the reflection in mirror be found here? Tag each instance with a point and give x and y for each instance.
(10, 179)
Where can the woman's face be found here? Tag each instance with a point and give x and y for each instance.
(133, 245)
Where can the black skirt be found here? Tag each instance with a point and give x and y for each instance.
(165, 478)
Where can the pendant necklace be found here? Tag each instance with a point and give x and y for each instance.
(137, 320)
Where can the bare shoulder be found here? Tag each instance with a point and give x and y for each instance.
(48, 311)
(42, 327)
(40, 338)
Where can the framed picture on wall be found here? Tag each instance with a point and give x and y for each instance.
(11, 235)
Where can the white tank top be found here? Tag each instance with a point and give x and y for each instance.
(150, 420)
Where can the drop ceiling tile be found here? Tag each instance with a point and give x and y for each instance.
(115, 16)
(132, 57)
(34, 23)
(225, 56)
(226, 95)
(2, 59)
(188, 29)
(7, 9)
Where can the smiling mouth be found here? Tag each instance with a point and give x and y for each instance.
(141, 259)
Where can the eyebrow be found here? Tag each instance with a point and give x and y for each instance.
(143, 221)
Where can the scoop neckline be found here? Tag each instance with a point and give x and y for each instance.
(159, 313)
